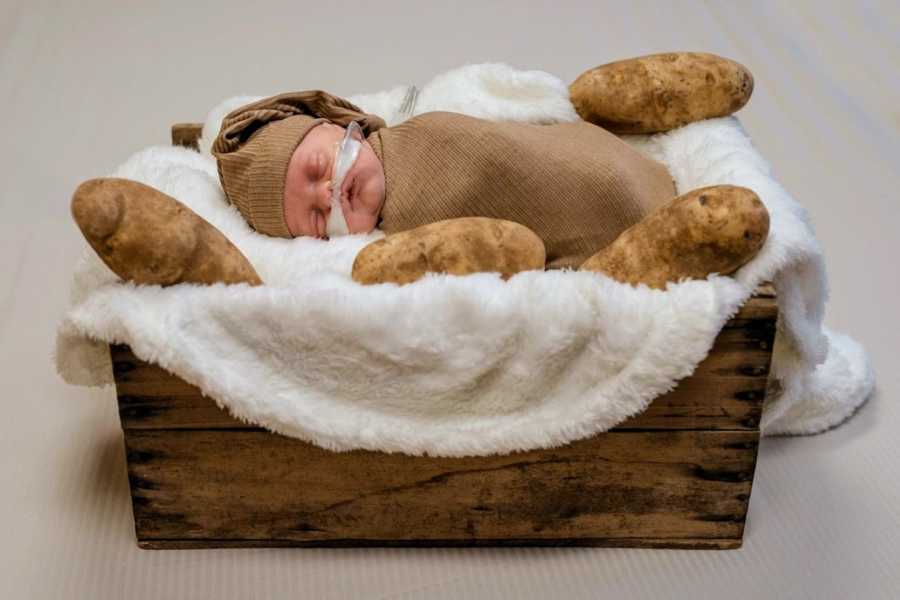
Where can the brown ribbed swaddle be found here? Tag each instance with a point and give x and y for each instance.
(576, 185)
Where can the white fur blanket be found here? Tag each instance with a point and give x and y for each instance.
(468, 365)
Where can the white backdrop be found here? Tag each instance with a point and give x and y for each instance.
(85, 84)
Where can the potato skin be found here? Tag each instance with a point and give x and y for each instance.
(148, 237)
(715, 229)
(659, 92)
(455, 246)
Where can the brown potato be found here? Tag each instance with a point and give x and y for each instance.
(715, 229)
(148, 237)
(660, 92)
(456, 246)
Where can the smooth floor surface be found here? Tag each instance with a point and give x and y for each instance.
(83, 85)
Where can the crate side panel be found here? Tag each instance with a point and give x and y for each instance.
(251, 485)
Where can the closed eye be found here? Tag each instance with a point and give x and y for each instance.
(317, 167)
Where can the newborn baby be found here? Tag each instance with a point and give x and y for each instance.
(575, 185)
(454, 193)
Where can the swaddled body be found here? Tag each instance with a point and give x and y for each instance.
(579, 189)
(575, 185)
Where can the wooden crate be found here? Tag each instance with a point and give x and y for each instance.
(677, 475)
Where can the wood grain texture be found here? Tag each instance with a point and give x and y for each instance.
(187, 135)
(684, 543)
(677, 488)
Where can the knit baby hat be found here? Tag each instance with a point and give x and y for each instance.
(255, 144)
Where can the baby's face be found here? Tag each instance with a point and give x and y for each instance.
(307, 185)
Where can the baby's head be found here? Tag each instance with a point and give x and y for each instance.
(309, 182)
(276, 160)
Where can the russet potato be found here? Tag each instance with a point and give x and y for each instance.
(660, 92)
(714, 229)
(148, 237)
(455, 246)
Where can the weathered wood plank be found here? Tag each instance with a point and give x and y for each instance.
(697, 403)
(681, 543)
(187, 135)
(725, 392)
(253, 487)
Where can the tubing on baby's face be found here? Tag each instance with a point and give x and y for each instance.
(346, 153)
